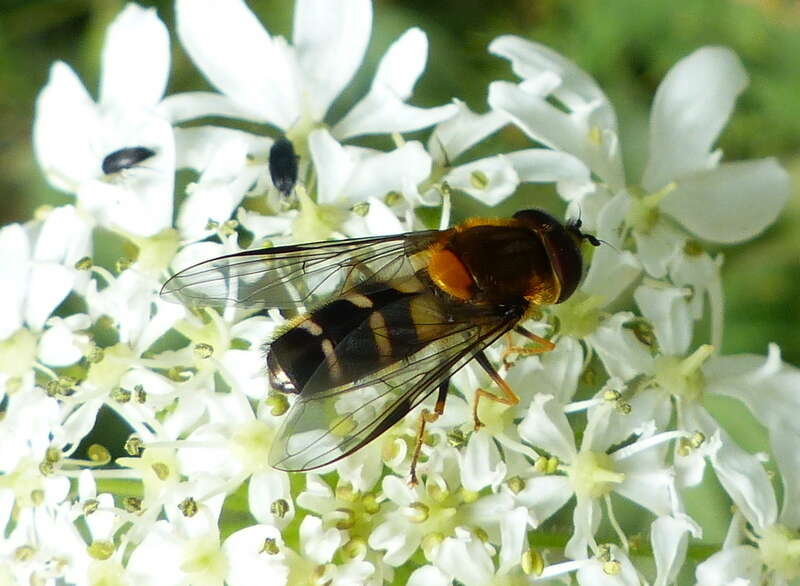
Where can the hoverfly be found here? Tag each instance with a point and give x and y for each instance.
(283, 165)
(125, 158)
(391, 319)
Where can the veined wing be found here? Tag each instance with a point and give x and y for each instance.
(299, 274)
(326, 424)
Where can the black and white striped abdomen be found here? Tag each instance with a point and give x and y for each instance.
(347, 339)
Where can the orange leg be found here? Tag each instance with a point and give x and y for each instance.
(427, 417)
(509, 397)
(544, 345)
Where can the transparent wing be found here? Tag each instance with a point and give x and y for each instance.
(301, 274)
(325, 425)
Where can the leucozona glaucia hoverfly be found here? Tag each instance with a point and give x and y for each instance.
(385, 321)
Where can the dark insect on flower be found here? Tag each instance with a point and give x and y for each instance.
(391, 319)
(125, 158)
(283, 165)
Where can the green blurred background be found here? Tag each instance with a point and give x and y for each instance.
(628, 45)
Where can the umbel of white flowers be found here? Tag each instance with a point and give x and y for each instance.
(195, 501)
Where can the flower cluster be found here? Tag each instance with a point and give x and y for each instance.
(616, 410)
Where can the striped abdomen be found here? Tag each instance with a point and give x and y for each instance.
(345, 340)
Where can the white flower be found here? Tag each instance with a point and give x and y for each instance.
(38, 267)
(226, 161)
(73, 134)
(637, 471)
(421, 516)
(683, 179)
(467, 559)
(765, 549)
(293, 86)
(492, 179)
(181, 550)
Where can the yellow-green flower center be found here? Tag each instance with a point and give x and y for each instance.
(592, 475)
(780, 550)
(683, 377)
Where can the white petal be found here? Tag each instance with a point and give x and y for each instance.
(238, 56)
(189, 105)
(670, 536)
(742, 475)
(537, 118)
(668, 311)
(398, 491)
(585, 520)
(380, 219)
(784, 448)
(330, 38)
(689, 469)
(701, 273)
(136, 59)
(691, 106)
(610, 273)
(244, 553)
(396, 539)
(428, 576)
(767, 385)
(480, 463)
(381, 173)
(264, 489)
(102, 522)
(48, 286)
(648, 405)
(648, 482)
(544, 496)
(594, 574)
(160, 543)
(733, 566)
(57, 346)
(731, 203)
(156, 385)
(14, 271)
(65, 237)
(489, 180)
(66, 122)
(623, 355)
(581, 133)
(363, 469)
(530, 60)
(512, 538)
(333, 165)
(87, 488)
(545, 166)
(80, 422)
(457, 134)
(561, 369)
(221, 187)
(383, 108)
(197, 147)
(745, 480)
(546, 427)
(403, 63)
(381, 112)
(467, 561)
(657, 247)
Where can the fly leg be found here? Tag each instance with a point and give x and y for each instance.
(509, 397)
(544, 345)
(427, 417)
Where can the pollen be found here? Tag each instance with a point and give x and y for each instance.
(450, 274)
